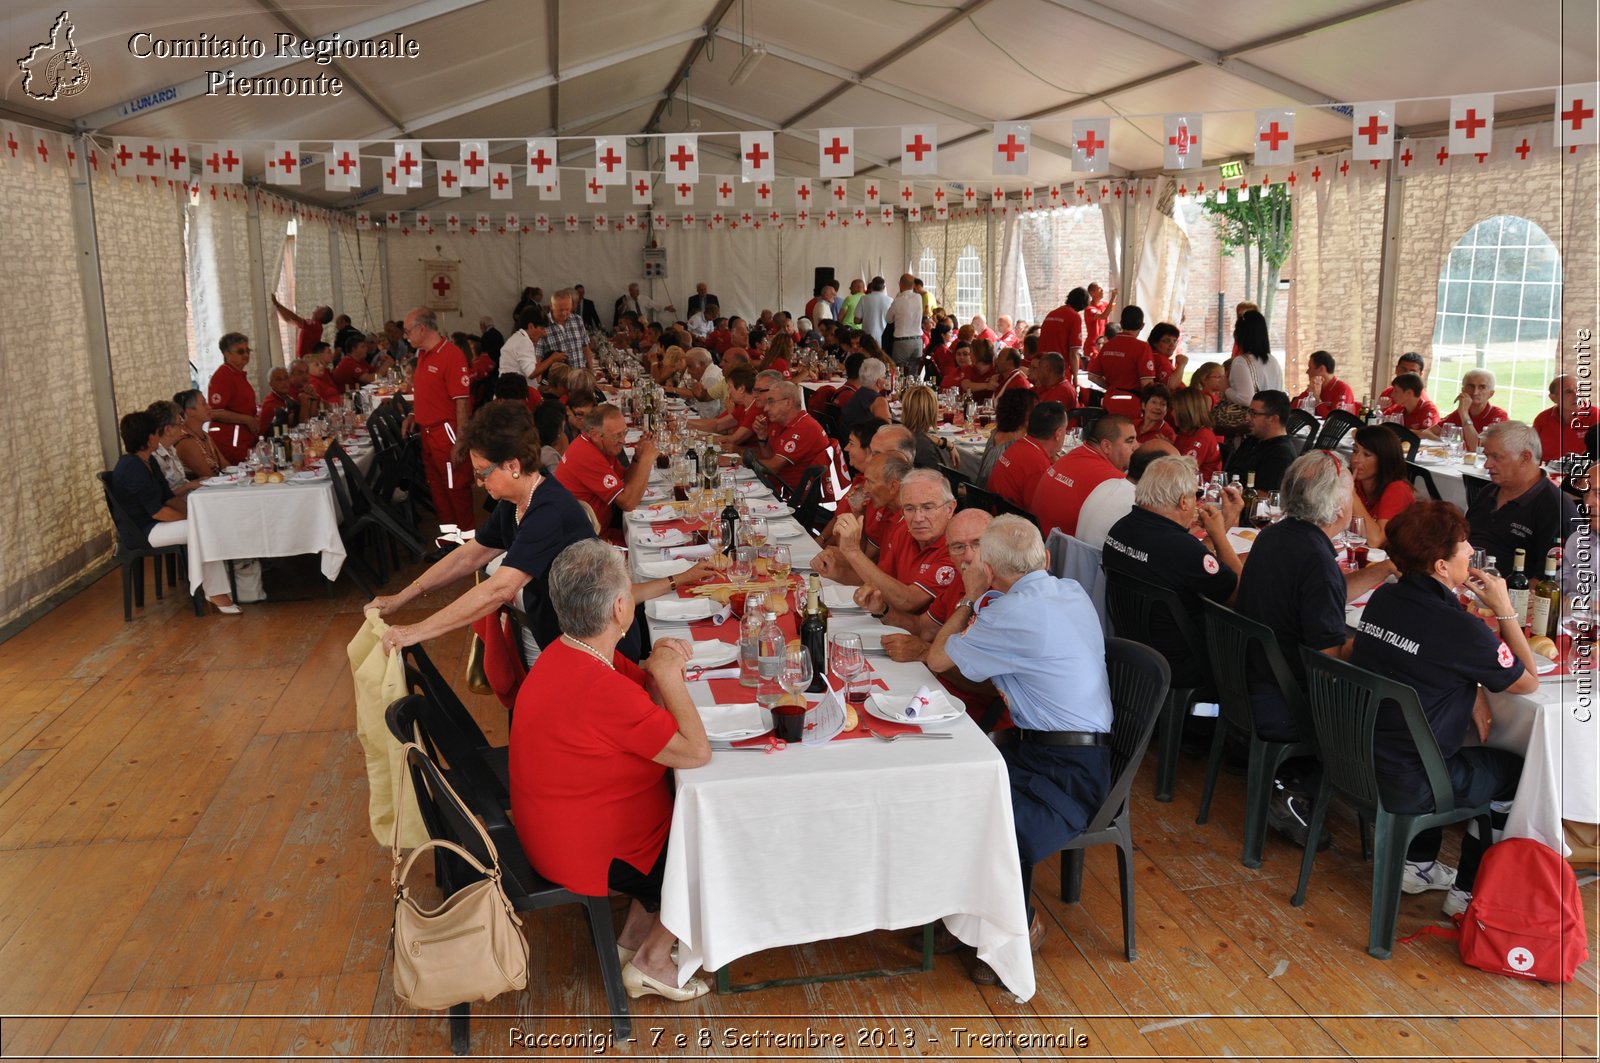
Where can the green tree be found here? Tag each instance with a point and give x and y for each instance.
(1261, 226)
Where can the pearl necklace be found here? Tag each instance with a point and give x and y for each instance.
(523, 509)
(590, 650)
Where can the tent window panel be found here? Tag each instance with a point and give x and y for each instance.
(969, 284)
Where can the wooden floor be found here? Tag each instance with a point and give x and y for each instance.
(185, 872)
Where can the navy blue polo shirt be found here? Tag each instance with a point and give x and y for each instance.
(142, 491)
(554, 521)
(1151, 547)
(1418, 633)
(1292, 583)
(1536, 521)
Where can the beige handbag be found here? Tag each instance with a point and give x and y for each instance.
(469, 948)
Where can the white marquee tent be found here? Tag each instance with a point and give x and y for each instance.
(123, 277)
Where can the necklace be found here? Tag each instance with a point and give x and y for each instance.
(590, 650)
(523, 508)
(208, 448)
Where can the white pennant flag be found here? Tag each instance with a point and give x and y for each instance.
(513, 222)
(393, 180)
(1471, 123)
(886, 214)
(919, 150)
(941, 212)
(1575, 115)
(541, 160)
(600, 222)
(541, 223)
(177, 156)
(283, 163)
(44, 147)
(1181, 137)
(630, 221)
(801, 216)
(408, 157)
(1091, 145)
(939, 195)
(1009, 147)
(914, 212)
(594, 189)
(135, 157)
(872, 194)
(474, 168)
(908, 194)
(775, 217)
(839, 195)
(551, 189)
(1274, 137)
(222, 163)
(859, 214)
(500, 180)
(1373, 131)
(363, 220)
(343, 166)
(452, 223)
(716, 220)
(755, 156)
(571, 223)
(802, 194)
(682, 159)
(639, 185)
(392, 219)
(687, 220)
(763, 192)
(449, 174)
(724, 192)
(423, 221)
(658, 220)
(836, 152)
(683, 194)
(611, 160)
(483, 223)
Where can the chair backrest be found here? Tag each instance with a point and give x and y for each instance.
(1138, 678)
(349, 488)
(1302, 428)
(1345, 702)
(1005, 507)
(1072, 558)
(1231, 637)
(120, 517)
(1338, 424)
(978, 498)
(1409, 440)
(958, 484)
(456, 734)
(1084, 417)
(806, 499)
(1133, 604)
(1475, 485)
(449, 818)
(1417, 474)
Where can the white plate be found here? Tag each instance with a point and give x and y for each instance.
(730, 723)
(785, 529)
(839, 598)
(714, 653)
(667, 537)
(306, 477)
(755, 489)
(1543, 665)
(761, 508)
(663, 569)
(680, 610)
(948, 430)
(654, 514)
(219, 481)
(872, 639)
(889, 705)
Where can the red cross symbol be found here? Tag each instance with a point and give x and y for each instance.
(345, 163)
(918, 147)
(725, 190)
(441, 283)
(1027, 194)
(595, 186)
(860, 214)
(539, 160)
(1442, 156)
(1182, 140)
(907, 192)
(1578, 114)
(392, 175)
(745, 217)
(1292, 178)
(44, 150)
(837, 150)
(938, 194)
(1055, 192)
(447, 177)
(804, 192)
(774, 217)
(176, 157)
(832, 216)
(472, 162)
(1523, 149)
(1372, 130)
(1200, 189)
(500, 181)
(763, 190)
(1344, 168)
(1011, 148)
(757, 156)
(1406, 158)
(394, 218)
(452, 220)
(287, 162)
(213, 191)
(1118, 193)
(631, 220)
(972, 194)
(1275, 137)
(72, 153)
(802, 215)
(502, 230)
(1316, 175)
(1183, 190)
(684, 190)
(11, 142)
(150, 155)
(1471, 123)
(839, 192)
(1480, 156)
(572, 219)
(1375, 163)
(1090, 144)
(716, 219)
(872, 192)
(643, 187)
(406, 163)
(683, 157)
(611, 159)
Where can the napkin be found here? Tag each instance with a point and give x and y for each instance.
(664, 536)
(732, 721)
(919, 704)
(689, 553)
(663, 569)
(677, 608)
(715, 673)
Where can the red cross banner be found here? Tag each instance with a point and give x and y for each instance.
(474, 168)
(13, 143)
(541, 223)
(600, 222)
(997, 199)
(872, 194)
(551, 188)
(682, 159)
(611, 160)
(137, 157)
(724, 189)
(886, 214)
(1471, 123)
(914, 212)
(1274, 137)
(283, 163)
(594, 189)
(1575, 115)
(687, 220)
(363, 220)
(513, 222)
(683, 193)
(483, 223)
(1091, 145)
(449, 174)
(716, 220)
(570, 222)
(441, 284)
(906, 195)
(919, 150)
(1372, 134)
(836, 152)
(408, 158)
(941, 212)
(341, 166)
(755, 157)
(1181, 137)
(394, 179)
(1008, 148)
(839, 196)
(658, 220)
(802, 194)
(763, 191)
(639, 186)
(542, 160)
(222, 163)
(452, 223)
(801, 217)
(423, 221)
(500, 180)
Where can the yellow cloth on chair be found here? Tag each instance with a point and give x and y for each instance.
(381, 681)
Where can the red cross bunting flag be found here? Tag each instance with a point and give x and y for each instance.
(683, 194)
(716, 220)
(1373, 131)
(611, 160)
(763, 191)
(907, 194)
(408, 158)
(919, 150)
(135, 157)
(1008, 148)
(914, 212)
(513, 222)
(687, 219)
(452, 223)
(541, 223)
(341, 166)
(630, 221)
(682, 159)
(1091, 145)
(570, 223)
(542, 160)
(222, 163)
(1274, 137)
(872, 195)
(423, 221)
(755, 156)
(836, 152)
(839, 195)
(11, 141)
(1575, 115)
(500, 180)
(449, 178)
(363, 220)
(594, 189)
(393, 180)
(283, 163)
(802, 194)
(1471, 123)
(886, 214)
(724, 192)
(483, 223)
(601, 222)
(941, 212)
(639, 188)
(1181, 137)
(551, 188)
(474, 168)
(658, 220)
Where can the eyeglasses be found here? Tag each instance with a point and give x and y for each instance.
(930, 507)
(1257, 413)
(482, 475)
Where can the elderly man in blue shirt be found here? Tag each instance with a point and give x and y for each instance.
(1038, 638)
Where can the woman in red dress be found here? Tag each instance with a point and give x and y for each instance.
(1383, 489)
(591, 742)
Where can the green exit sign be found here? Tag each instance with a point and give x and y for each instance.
(1231, 170)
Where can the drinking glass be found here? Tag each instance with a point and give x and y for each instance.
(848, 662)
(754, 531)
(1261, 512)
(744, 559)
(797, 672)
(780, 562)
(1355, 542)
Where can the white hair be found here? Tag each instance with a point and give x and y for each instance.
(1011, 546)
(933, 478)
(1316, 488)
(1515, 437)
(1166, 481)
(586, 579)
(872, 372)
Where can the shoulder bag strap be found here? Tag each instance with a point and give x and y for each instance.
(397, 874)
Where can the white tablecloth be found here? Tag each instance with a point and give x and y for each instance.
(264, 520)
(1449, 479)
(1555, 730)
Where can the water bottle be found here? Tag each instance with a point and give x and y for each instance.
(770, 649)
(749, 636)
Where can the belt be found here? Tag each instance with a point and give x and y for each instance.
(1063, 738)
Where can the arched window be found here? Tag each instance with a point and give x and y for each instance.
(969, 284)
(1499, 309)
(928, 270)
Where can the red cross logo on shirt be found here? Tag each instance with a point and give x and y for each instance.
(757, 156)
(918, 147)
(539, 160)
(1011, 147)
(682, 157)
(1274, 137)
(441, 284)
(1372, 130)
(1090, 143)
(1471, 123)
(837, 150)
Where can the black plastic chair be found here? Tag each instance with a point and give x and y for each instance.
(1005, 507)
(130, 559)
(1337, 425)
(806, 499)
(1231, 638)
(1475, 485)
(1132, 603)
(958, 484)
(1409, 440)
(978, 498)
(460, 741)
(366, 511)
(526, 889)
(1302, 428)
(1084, 417)
(1417, 474)
(1138, 678)
(1344, 709)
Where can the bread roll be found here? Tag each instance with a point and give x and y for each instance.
(1544, 646)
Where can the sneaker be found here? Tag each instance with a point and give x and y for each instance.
(1290, 814)
(1456, 901)
(1431, 875)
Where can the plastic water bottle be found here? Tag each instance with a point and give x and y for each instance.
(749, 635)
(770, 649)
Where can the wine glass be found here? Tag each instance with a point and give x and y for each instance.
(848, 661)
(797, 671)
(754, 531)
(1355, 540)
(780, 562)
(1261, 512)
(744, 560)
(1274, 506)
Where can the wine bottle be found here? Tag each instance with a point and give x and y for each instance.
(1546, 610)
(1520, 588)
(1249, 499)
(814, 634)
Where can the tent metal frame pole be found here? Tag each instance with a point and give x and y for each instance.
(335, 278)
(383, 274)
(1388, 280)
(101, 372)
(263, 360)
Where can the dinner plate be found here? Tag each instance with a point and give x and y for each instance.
(785, 529)
(890, 706)
(840, 599)
(755, 489)
(872, 638)
(680, 610)
(730, 723)
(306, 477)
(664, 537)
(218, 481)
(714, 653)
(764, 508)
(948, 430)
(663, 569)
(654, 514)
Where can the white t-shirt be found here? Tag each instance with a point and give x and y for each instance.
(699, 326)
(873, 309)
(1108, 503)
(906, 314)
(517, 355)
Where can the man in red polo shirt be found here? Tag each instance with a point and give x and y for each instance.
(281, 406)
(1049, 372)
(1096, 314)
(1023, 464)
(914, 567)
(1062, 491)
(310, 330)
(354, 369)
(233, 400)
(1474, 413)
(442, 404)
(1061, 332)
(1009, 371)
(1126, 363)
(1407, 391)
(794, 441)
(1563, 426)
(592, 467)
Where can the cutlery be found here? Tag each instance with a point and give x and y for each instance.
(896, 738)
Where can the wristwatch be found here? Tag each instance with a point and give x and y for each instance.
(966, 603)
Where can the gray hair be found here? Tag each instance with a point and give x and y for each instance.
(787, 389)
(1316, 488)
(900, 438)
(422, 317)
(933, 478)
(581, 380)
(771, 376)
(1486, 375)
(1011, 546)
(595, 419)
(566, 295)
(896, 468)
(872, 372)
(1515, 437)
(1166, 482)
(586, 579)
(699, 356)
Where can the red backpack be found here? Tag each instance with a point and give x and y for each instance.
(1525, 919)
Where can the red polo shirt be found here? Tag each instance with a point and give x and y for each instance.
(325, 387)
(272, 404)
(1018, 471)
(1426, 415)
(1491, 414)
(1559, 435)
(879, 524)
(591, 477)
(441, 379)
(1062, 490)
(1335, 395)
(231, 390)
(1123, 362)
(925, 567)
(801, 443)
(1063, 393)
(347, 374)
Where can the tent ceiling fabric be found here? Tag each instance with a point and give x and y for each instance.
(488, 70)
